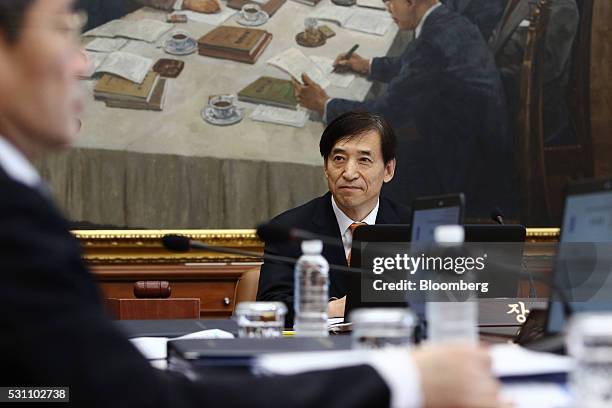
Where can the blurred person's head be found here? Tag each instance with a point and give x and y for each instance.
(408, 13)
(358, 149)
(40, 62)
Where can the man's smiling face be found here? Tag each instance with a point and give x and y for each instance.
(356, 171)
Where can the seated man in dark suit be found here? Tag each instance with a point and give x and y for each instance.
(446, 103)
(358, 150)
(55, 330)
(484, 13)
(508, 45)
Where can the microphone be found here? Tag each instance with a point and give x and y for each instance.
(180, 243)
(497, 215)
(275, 233)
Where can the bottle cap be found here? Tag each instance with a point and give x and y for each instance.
(449, 234)
(314, 247)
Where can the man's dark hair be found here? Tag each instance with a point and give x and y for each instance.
(12, 13)
(355, 124)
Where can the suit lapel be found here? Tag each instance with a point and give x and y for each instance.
(512, 22)
(386, 213)
(325, 223)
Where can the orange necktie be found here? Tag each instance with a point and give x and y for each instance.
(352, 228)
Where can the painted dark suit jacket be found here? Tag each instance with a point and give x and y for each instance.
(276, 279)
(446, 86)
(484, 13)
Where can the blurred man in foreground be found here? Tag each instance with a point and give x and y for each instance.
(55, 331)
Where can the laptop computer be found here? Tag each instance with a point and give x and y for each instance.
(587, 218)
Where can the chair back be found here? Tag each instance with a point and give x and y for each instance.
(528, 130)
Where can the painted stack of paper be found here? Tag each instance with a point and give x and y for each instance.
(319, 69)
(144, 30)
(295, 63)
(326, 65)
(125, 65)
(214, 19)
(309, 2)
(280, 116)
(103, 44)
(95, 59)
(120, 93)
(375, 4)
(365, 20)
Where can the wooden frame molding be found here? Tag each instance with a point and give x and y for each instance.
(144, 246)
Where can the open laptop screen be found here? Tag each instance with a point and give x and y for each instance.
(587, 219)
(431, 212)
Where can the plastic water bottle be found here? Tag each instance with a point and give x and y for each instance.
(311, 291)
(451, 321)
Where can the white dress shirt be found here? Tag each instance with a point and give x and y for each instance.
(417, 31)
(16, 166)
(394, 366)
(344, 222)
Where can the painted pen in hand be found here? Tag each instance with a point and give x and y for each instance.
(347, 56)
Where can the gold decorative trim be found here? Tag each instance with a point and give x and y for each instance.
(543, 234)
(144, 246)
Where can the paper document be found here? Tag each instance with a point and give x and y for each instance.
(215, 19)
(510, 360)
(106, 44)
(294, 62)
(375, 4)
(299, 362)
(327, 66)
(541, 395)
(357, 19)
(108, 30)
(129, 66)
(144, 30)
(95, 59)
(155, 348)
(280, 116)
(370, 21)
(334, 320)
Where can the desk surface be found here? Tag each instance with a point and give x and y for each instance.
(180, 130)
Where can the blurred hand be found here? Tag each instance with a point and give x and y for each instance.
(456, 376)
(310, 95)
(335, 308)
(356, 63)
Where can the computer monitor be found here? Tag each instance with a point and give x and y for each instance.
(587, 218)
(431, 212)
